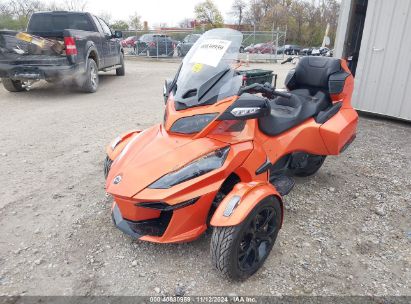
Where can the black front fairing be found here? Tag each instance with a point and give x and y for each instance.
(206, 74)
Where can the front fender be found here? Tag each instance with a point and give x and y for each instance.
(117, 145)
(244, 196)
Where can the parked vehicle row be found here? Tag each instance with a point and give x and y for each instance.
(140, 46)
(129, 41)
(155, 45)
(288, 49)
(184, 46)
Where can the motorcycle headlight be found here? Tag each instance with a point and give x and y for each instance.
(192, 124)
(194, 169)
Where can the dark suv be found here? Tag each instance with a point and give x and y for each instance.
(155, 45)
(289, 49)
(185, 46)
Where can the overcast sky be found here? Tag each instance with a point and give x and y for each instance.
(154, 11)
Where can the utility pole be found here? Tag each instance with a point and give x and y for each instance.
(326, 39)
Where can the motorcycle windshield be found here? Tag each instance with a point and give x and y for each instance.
(207, 72)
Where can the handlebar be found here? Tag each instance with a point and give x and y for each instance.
(289, 59)
(267, 90)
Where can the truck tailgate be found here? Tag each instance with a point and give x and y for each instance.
(42, 60)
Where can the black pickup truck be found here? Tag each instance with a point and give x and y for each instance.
(86, 45)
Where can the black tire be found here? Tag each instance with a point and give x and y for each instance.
(122, 70)
(107, 166)
(312, 164)
(13, 85)
(230, 252)
(90, 84)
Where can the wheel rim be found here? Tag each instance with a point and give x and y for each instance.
(93, 76)
(257, 239)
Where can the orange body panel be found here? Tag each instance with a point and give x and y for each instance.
(141, 158)
(132, 212)
(250, 195)
(123, 141)
(172, 115)
(339, 130)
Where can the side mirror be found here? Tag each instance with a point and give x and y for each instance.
(167, 89)
(118, 34)
(246, 107)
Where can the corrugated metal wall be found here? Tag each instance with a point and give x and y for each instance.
(383, 77)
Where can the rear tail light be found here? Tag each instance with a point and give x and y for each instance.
(70, 43)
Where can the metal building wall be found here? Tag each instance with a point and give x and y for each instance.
(383, 77)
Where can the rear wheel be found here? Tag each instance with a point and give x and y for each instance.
(90, 84)
(308, 164)
(13, 85)
(239, 251)
(121, 71)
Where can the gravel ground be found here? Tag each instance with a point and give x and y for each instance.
(346, 230)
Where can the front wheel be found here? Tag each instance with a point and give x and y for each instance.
(91, 81)
(239, 251)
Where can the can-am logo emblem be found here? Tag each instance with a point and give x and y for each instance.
(117, 180)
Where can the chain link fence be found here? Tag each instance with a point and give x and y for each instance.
(258, 46)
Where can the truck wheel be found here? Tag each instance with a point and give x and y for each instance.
(239, 251)
(122, 70)
(107, 166)
(91, 82)
(13, 85)
(310, 165)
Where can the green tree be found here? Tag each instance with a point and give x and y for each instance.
(237, 10)
(208, 13)
(106, 16)
(14, 14)
(120, 25)
(135, 22)
(305, 20)
(75, 5)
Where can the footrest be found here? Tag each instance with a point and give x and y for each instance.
(283, 183)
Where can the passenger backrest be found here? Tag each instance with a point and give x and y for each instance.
(313, 72)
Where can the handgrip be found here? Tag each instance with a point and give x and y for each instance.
(266, 90)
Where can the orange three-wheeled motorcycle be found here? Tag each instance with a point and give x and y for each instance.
(226, 153)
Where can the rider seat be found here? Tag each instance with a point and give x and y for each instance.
(310, 94)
